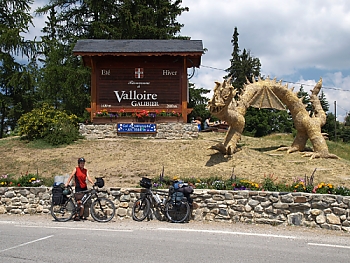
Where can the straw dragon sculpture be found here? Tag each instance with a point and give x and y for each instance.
(269, 94)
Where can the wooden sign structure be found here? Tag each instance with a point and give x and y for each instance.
(136, 75)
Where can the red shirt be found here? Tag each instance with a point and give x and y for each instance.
(80, 178)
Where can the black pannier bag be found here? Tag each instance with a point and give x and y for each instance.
(100, 182)
(58, 197)
(185, 189)
(146, 182)
(177, 197)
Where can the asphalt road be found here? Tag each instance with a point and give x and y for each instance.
(40, 239)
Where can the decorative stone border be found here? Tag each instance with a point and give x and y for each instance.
(274, 208)
(171, 130)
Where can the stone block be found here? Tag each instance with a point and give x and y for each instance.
(253, 203)
(273, 199)
(316, 212)
(258, 209)
(299, 206)
(295, 219)
(242, 201)
(217, 197)
(320, 219)
(346, 223)
(319, 205)
(333, 219)
(268, 221)
(247, 208)
(260, 198)
(339, 211)
(121, 212)
(228, 196)
(280, 205)
(300, 199)
(288, 198)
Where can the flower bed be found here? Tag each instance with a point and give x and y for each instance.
(26, 180)
(268, 183)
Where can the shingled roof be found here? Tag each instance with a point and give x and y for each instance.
(115, 47)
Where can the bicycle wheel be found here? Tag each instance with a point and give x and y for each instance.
(177, 212)
(102, 209)
(63, 212)
(141, 209)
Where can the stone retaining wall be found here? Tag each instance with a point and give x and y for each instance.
(301, 209)
(171, 130)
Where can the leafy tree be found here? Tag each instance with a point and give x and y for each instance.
(345, 134)
(198, 102)
(347, 120)
(331, 127)
(16, 80)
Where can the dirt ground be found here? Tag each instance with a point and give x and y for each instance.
(123, 161)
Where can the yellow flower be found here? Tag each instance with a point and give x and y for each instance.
(32, 179)
(2, 183)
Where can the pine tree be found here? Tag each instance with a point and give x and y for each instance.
(305, 99)
(243, 65)
(64, 82)
(324, 102)
(105, 19)
(16, 80)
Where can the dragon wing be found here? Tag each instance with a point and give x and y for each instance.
(266, 98)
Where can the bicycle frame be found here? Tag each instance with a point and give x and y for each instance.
(175, 211)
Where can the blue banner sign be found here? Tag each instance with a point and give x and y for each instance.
(137, 128)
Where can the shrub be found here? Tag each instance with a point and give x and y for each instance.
(269, 183)
(341, 190)
(50, 124)
(62, 133)
(324, 188)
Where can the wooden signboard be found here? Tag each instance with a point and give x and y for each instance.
(132, 84)
(139, 74)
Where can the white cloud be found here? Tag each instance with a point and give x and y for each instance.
(295, 41)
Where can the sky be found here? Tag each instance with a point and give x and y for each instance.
(296, 41)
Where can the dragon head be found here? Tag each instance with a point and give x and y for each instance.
(222, 97)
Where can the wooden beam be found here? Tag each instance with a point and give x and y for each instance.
(93, 87)
(184, 90)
